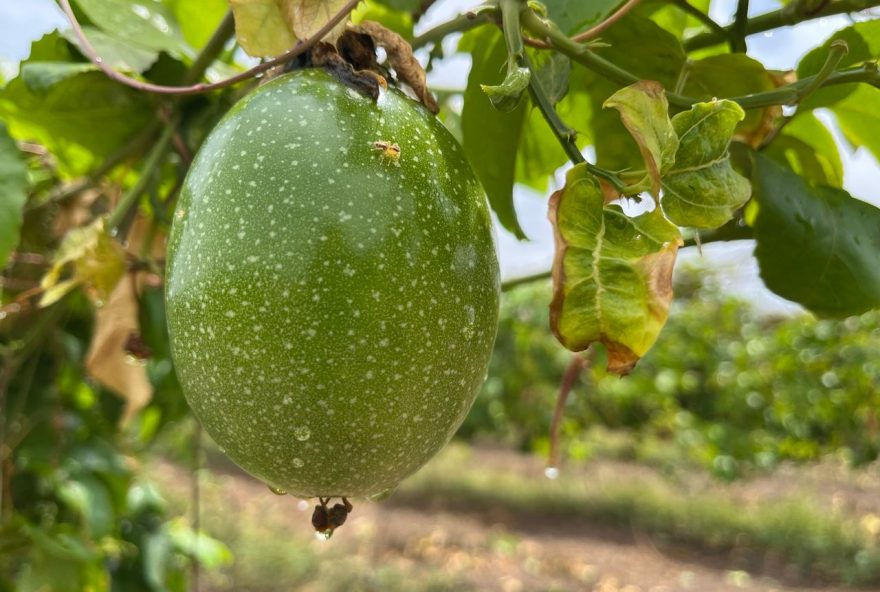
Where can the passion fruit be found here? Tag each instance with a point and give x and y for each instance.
(332, 286)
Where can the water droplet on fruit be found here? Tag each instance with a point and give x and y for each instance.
(277, 491)
(551, 472)
(297, 462)
(302, 433)
(323, 536)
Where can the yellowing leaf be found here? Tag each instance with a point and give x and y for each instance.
(612, 274)
(702, 189)
(94, 260)
(306, 17)
(107, 361)
(261, 27)
(645, 113)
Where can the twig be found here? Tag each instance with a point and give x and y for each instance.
(115, 221)
(739, 28)
(202, 87)
(789, 15)
(701, 16)
(577, 364)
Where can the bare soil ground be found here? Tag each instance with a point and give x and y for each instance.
(488, 549)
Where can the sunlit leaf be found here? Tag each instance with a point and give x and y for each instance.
(859, 118)
(116, 53)
(573, 16)
(612, 275)
(13, 185)
(645, 113)
(39, 76)
(198, 18)
(808, 147)
(81, 119)
(702, 189)
(261, 28)
(145, 23)
(490, 138)
(816, 245)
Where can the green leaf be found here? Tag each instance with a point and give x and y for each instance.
(81, 119)
(702, 189)
(612, 275)
(670, 17)
(39, 76)
(506, 96)
(573, 16)
(490, 138)
(645, 113)
(207, 550)
(89, 497)
(816, 245)
(147, 24)
(807, 146)
(863, 41)
(198, 18)
(13, 186)
(116, 53)
(730, 75)
(859, 118)
(399, 21)
(552, 73)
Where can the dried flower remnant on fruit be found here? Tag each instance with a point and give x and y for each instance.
(389, 152)
(326, 520)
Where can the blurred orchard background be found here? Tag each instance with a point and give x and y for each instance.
(741, 454)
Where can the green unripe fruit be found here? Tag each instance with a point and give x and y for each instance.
(332, 303)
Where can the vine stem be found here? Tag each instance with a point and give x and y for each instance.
(199, 88)
(740, 25)
(701, 16)
(593, 31)
(791, 14)
(117, 219)
(575, 367)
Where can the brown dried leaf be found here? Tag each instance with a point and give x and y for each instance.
(108, 362)
(401, 58)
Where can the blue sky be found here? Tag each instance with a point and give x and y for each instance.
(22, 21)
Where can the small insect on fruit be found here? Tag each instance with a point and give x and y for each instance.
(389, 152)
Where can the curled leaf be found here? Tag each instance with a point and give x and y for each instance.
(645, 113)
(401, 58)
(94, 260)
(612, 274)
(506, 96)
(702, 189)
